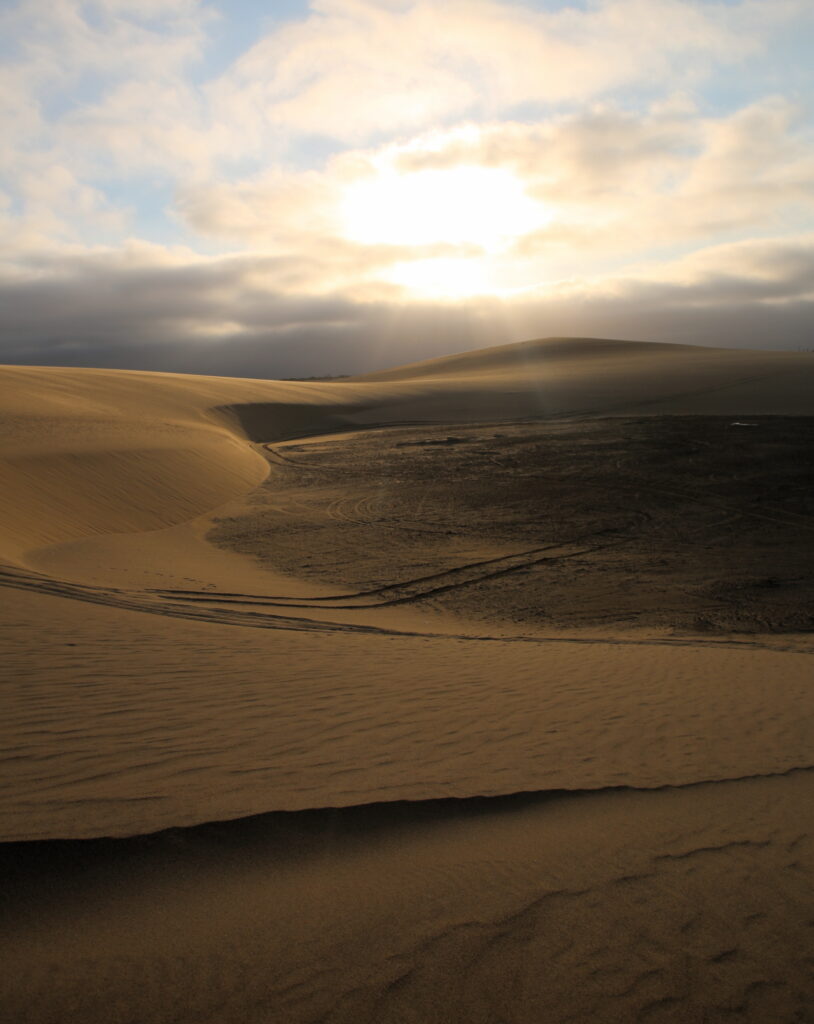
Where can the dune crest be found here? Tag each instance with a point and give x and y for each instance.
(87, 452)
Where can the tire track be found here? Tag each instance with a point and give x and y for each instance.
(419, 587)
(248, 616)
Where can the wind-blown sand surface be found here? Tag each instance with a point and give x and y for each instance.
(574, 569)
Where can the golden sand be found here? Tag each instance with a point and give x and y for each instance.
(205, 619)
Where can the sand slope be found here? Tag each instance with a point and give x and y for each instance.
(92, 451)
(564, 376)
(682, 906)
(661, 869)
(216, 704)
(117, 722)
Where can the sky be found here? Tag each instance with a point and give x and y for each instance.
(289, 188)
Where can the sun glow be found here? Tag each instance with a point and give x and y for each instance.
(482, 206)
(455, 278)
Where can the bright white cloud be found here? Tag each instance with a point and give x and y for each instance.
(358, 68)
(353, 70)
(73, 59)
(535, 203)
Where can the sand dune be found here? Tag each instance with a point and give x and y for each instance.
(121, 723)
(92, 451)
(225, 598)
(255, 661)
(567, 376)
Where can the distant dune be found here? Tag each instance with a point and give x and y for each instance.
(304, 601)
(94, 451)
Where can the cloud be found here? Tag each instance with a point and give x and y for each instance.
(104, 89)
(357, 69)
(612, 185)
(751, 271)
(171, 309)
(59, 41)
(65, 62)
(666, 212)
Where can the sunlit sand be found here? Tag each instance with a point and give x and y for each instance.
(473, 690)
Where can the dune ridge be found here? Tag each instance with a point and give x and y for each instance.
(85, 452)
(90, 451)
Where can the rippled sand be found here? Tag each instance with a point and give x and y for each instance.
(371, 643)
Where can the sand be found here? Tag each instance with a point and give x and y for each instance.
(351, 621)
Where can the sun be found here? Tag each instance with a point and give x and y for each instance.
(482, 207)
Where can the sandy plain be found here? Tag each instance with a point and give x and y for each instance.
(476, 690)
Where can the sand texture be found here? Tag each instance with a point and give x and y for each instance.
(495, 671)
(682, 905)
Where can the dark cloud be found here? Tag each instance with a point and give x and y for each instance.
(213, 317)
